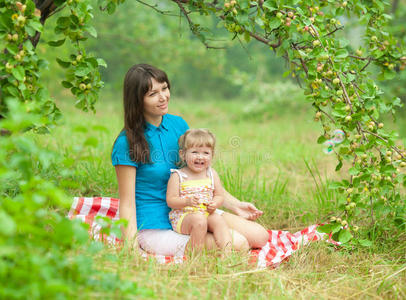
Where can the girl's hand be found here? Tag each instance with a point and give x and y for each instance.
(212, 205)
(193, 201)
(247, 211)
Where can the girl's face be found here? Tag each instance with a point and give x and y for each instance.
(198, 158)
(156, 102)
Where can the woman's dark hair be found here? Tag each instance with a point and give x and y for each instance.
(137, 83)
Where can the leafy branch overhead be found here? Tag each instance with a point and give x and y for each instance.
(336, 78)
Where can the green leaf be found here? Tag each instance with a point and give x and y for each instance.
(339, 165)
(111, 8)
(63, 64)
(66, 84)
(101, 62)
(329, 228)
(321, 139)
(268, 5)
(82, 71)
(274, 23)
(18, 73)
(342, 53)
(7, 224)
(344, 236)
(35, 24)
(56, 43)
(353, 171)
(365, 243)
(92, 31)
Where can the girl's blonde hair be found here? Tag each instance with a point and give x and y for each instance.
(199, 137)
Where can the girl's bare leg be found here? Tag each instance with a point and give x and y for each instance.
(196, 226)
(222, 235)
(256, 235)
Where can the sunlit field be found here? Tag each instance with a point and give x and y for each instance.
(272, 161)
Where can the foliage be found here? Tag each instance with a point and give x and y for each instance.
(335, 77)
(339, 86)
(43, 254)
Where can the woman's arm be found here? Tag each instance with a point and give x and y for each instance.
(243, 209)
(126, 192)
(173, 198)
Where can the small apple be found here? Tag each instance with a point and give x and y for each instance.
(344, 4)
(333, 21)
(290, 14)
(348, 118)
(227, 5)
(402, 164)
(391, 66)
(88, 86)
(15, 37)
(333, 219)
(318, 114)
(9, 67)
(235, 11)
(82, 86)
(380, 125)
(344, 223)
(279, 15)
(336, 80)
(21, 20)
(316, 43)
(374, 38)
(347, 108)
(350, 190)
(358, 52)
(339, 92)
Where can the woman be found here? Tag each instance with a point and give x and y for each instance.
(143, 154)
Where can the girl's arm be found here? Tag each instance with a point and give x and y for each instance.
(173, 198)
(218, 194)
(126, 192)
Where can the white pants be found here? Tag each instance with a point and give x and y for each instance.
(164, 241)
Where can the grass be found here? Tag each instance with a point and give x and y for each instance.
(275, 163)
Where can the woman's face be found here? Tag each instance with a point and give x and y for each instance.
(156, 102)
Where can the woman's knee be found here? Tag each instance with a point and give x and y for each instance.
(259, 237)
(240, 243)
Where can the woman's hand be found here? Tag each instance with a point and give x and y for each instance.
(247, 210)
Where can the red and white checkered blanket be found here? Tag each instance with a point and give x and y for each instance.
(280, 246)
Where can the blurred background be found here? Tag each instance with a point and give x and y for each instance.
(250, 72)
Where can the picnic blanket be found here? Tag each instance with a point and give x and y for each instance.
(280, 246)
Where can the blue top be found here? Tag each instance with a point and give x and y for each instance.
(152, 179)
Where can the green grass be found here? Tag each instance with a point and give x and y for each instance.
(275, 163)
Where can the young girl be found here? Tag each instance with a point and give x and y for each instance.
(194, 192)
